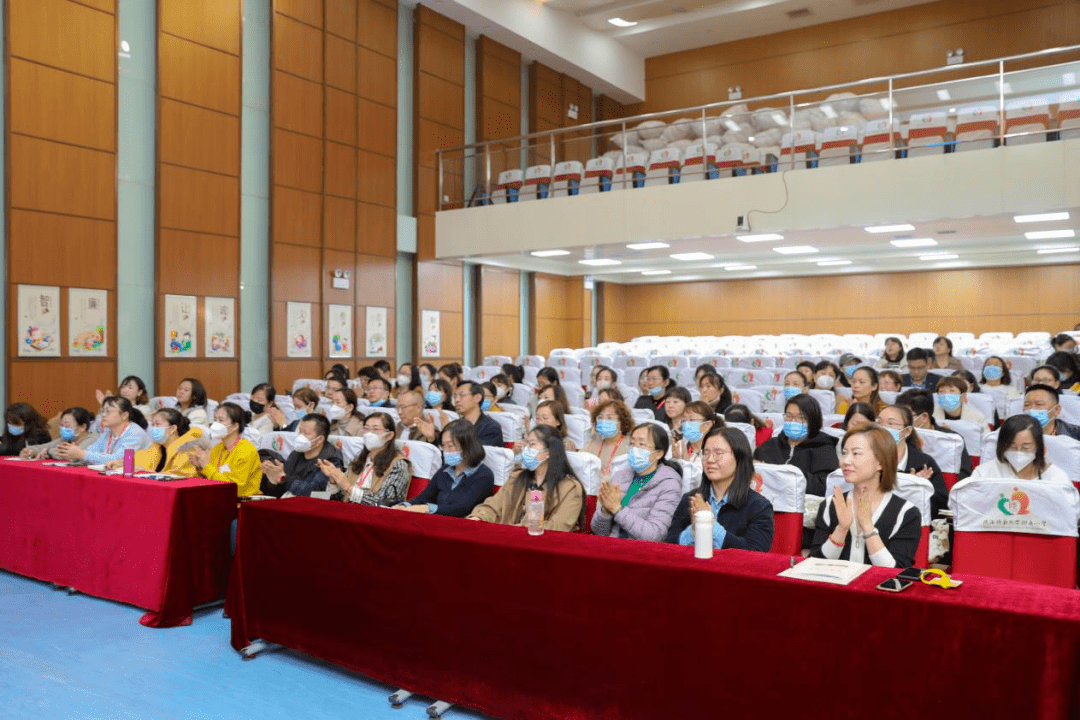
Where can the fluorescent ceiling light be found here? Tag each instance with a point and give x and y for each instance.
(962, 263)
(887, 104)
(1051, 251)
(1068, 78)
(829, 263)
(795, 250)
(914, 242)
(688, 257)
(829, 112)
(889, 228)
(1042, 217)
(944, 96)
(741, 267)
(549, 253)
(1006, 88)
(600, 261)
(779, 119)
(764, 237)
(619, 22)
(647, 245)
(1050, 234)
(732, 125)
(655, 272)
(939, 256)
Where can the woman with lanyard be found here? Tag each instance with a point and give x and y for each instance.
(233, 459)
(698, 420)
(380, 474)
(170, 432)
(119, 434)
(657, 383)
(613, 423)
(639, 501)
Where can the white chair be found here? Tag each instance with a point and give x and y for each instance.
(566, 180)
(598, 176)
(746, 429)
(752, 399)
(574, 395)
(310, 383)
(587, 361)
(699, 163)
(945, 448)
(426, 458)
(926, 133)
(691, 475)
(435, 416)
(1061, 451)
(508, 187)
(578, 428)
(569, 376)
(349, 447)
(797, 150)
(838, 145)
(522, 394)
(664, 167)
(1029, 115)
(633, 174)
(976, 127)
(562, 361)
(587, 468)
(498, 360)
(512, 424)
(772, 397)
(876, 140)
(671, 361)
(280, 442)
(161, 401)
(484, 373)
(784, 486)
(537, 183)
(1068, 117)
(970, 432)
(642, 415)
(531, 372)
(536, 361)
(501, 462)
(522, 410)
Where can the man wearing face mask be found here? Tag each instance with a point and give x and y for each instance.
(1042, 402)
(301, 474)
(918, 375)
(378, 393)
(467, 403)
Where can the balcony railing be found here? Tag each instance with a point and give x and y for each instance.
(1021, 99)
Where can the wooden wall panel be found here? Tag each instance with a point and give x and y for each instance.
(439, 287)
(550, 96)
(977, 301)
(198, 188)
(557, 316)
(499, 308)
(886, 43)
(61, 179)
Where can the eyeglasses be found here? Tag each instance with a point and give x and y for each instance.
(641, 446)
(788, 417)
(718, 454)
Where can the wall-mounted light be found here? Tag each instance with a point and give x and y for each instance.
(572, 111)
(341, 279)
(954, 57)
(734, 93)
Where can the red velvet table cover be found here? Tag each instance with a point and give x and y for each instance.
(572, 626)
(162, 546)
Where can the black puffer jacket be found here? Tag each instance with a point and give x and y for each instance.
(815, 456)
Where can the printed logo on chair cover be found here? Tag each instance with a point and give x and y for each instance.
(1018, 504)
(673, 363)
(759, 482)
(770, 394)
(748, 377)
(735, 396)
(278, 444)
(758, 362)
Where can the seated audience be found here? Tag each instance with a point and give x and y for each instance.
(379, 474)
(849, 363)
(1045, 375)
(795, 383)
(365, 375)
(504, 389)
(921, 405)
(1020, 454)
(555, 394)
(743, 518)
(677, 400)
(451, 373)
(1063, 342)
(233, 459)
(262, 400)
(427, 374)
(301, 474)
(613, 394)
(544, 468)
(870, 524)
(551, 414)
(864, 388)
(996, 377)
(893, 358)
(827, 376)
(739, 413)
(410, 410)
(344, 415)
(918, 375)
(378, 392)
(808, 370)
(338, 370)
(119, 433)
(408, 378)
(25, 427)
(173, 441)
(336, 383)
(491, 401)
(1068, 368)
(75, 426)
(952, 402)
(858, 413)
(133, 389)
(514, 373)
(640, 499)
(802, 444)
(715, 392)
(440, 396)
(658, 384)
(612, 425)
(1042, 402)
(698, 421)
(304, 400)
(943, 358)
(890, 380)
(968, 377)
(191, 401)
(899, 422)
(467, 399)
(464, 480)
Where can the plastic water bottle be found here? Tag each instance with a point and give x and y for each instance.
(534, 513)
(703, 522)
(129, 462)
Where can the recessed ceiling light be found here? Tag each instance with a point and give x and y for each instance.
(829, 263)
(647, 246)
(939, 256)
(619, 22)
(549, 253)
(1068, 78)
(1052, 251)
(600, 261)
(689, 257)
(1044, 217)
(741, 267)
(655, 272)
(795, 249)
(764, 237)
(1050, 234)
(889, 228)
(914, 242)
(944, 96)
(962, 263)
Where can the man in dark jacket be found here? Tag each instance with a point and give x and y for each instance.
(300, 475)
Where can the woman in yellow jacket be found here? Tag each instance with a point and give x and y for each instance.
(174, 443)
(233, 459)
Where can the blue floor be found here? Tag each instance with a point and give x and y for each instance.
(80, 657)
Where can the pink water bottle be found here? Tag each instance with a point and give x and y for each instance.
(129, 463)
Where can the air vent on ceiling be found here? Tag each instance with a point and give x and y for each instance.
(946, 232)
(798, 14)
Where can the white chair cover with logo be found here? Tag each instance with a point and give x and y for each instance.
(1061, 451)
(501, 462)
(944, 447)
(512, 424)
(782, 485)
(349, 447)
(587, 467)
(426, 458)
(280, 442)
(1020, 506)
(750, 398)
(971, 433)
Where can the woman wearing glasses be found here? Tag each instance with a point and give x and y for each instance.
(744, 519)
(802, 444)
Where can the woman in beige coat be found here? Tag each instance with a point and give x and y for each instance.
(544, 468)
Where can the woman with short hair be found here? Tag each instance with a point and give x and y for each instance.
(191, 401)
(1020, 454)
(75, 427)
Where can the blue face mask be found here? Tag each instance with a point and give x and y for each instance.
(850, 370)
(638, 459)
(895, 434)
(791, 391)
(607, 428)
(796, 430)
(949, 403)
(379, 403)
(486, 405)
(15, 430)
(530, 458)
(655, 391)
(433, 398)
(453, 459)
(157, 434)
(992, 372)
(691, 430)
(67, 434)
(1043, 416)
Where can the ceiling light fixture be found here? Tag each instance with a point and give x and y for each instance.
(830, 263)
(1052, 251)
(655, 272)
(598, 262)
(764, 237)
(1043, 217)
(1050, 234)
(914, 242)
(939, 256)
(943, 95)
(741, 267)
(647, 245)
(619, 22)
(690, 257)
(549, 253)
(889, 228)
(795, 250)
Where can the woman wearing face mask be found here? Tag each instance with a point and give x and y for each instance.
(802, 444)
(490, 403)
(439, 395)
(996, 377)
(120, 433)
(639, 501)
(1068, 369)
(304, 400)
(795, 383)
(261, 404)
(658, 384)
(170, 432)
(464, 480)
(25, 427)
(899, 422)
(1021, 454)
(234, 459)
(342, 414)
(871, 524)
(544, 468)
(380, 474)
(715, 392)
(550, 414)
(74, 428)
(827, 376)
(605, 379)
(698, 421)
(743, 518)
(503, 390)
(408, 378)
(427, 374)
(612, 423)
(674, 409)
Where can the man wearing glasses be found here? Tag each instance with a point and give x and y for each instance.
(467, 399)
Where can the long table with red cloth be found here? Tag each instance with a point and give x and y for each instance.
(161, 546)
(574, 626)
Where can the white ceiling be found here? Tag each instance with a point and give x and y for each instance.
(978, 242)
(666, 26)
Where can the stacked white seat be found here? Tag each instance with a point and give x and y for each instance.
(508, 187)
(729, 159)
(566, 179)
(838, 145)
(751, 161)
(664, 167)
(1068, 117)
(1029, 115)
(632, 174)
(699, 163)
(797, 149)
(536, 361)
(926, 133)
(598, 176)
(976, 127)
(875, 140)
(537, 185)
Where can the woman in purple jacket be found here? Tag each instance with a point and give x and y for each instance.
(640, 500)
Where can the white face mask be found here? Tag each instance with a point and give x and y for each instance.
(603, 384)
(302, 444)
(825, 382)
(373, 441)
(335, 413)
(218, 431)
(404, 380)
(1019, 459)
